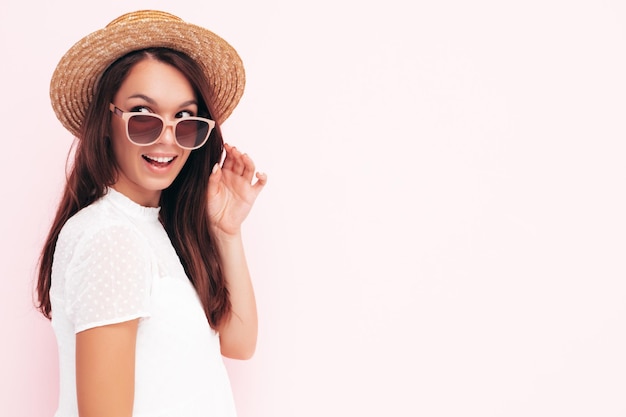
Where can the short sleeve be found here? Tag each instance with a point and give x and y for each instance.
(108, 279)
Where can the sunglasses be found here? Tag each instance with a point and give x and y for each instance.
(144, 129)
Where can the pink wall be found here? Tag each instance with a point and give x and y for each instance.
(443, 231)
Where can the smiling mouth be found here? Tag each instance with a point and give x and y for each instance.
(159, 161)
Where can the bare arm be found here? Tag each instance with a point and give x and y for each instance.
(105, 370)
(231, 196)
(238, 332)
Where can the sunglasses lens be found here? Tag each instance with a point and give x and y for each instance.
(144, 129)
(191, 133)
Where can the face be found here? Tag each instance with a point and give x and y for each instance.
(144, 171)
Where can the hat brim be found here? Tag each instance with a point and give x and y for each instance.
(75, 77)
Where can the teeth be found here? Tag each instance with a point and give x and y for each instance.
(160, 159)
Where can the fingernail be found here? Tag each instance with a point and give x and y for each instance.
(215, 168)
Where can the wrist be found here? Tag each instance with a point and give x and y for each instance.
(222, 237)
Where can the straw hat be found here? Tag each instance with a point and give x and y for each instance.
(75, 77)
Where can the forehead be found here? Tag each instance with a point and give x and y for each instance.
(158, 81)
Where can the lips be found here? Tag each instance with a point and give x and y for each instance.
(159, 161)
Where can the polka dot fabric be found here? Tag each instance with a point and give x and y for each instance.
(108, 278)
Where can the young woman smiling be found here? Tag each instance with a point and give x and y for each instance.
(143, 273)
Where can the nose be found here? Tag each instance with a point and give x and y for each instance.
(168, 135)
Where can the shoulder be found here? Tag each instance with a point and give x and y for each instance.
(97, 222)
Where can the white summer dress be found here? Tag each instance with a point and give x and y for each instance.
(114, 262)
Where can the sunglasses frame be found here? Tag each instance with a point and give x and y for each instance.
(126, 116)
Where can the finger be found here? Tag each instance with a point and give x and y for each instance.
(214, 180)
(228, 159)
(233, 161)
(238, 163)
(261, 181)
(248, 167)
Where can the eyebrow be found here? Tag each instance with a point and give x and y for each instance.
(154, 103)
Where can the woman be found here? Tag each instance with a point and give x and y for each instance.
(143, 273)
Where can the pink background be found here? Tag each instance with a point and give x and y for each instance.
(444, 229)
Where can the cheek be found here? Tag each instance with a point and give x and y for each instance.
(122, 148)
(185, 156)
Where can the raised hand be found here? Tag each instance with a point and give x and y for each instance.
(232, 192)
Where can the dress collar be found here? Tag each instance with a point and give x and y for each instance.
(131, 208)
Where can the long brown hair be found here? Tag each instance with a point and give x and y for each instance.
(183, 205)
